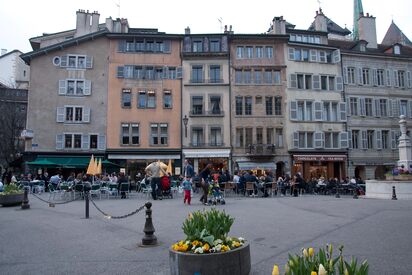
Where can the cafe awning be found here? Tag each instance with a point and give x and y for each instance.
(250, 165)
(66, 162)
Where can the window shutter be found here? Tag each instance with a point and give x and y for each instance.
(63, 61)
(59, 141)
(375, 77)
(336, 56)
(410, 108)
(85, 142)
(295, 140)
(291, 53)
(319, 138)
(395, 78)
(87, 87)
(60, 114)
(393, 140)
(120, 72)
(179, 72)
(348, 110)
(339, 84)
(313, 55)
(165, 72)
(101, 143)
(388, 78)
(364, 140)
(318, 111)
(316, 82)
(62, 86)
(89, 62)
(122, 46)
(293, 81)
(293, 110)
(344, 142)
(362, 106)
(377, 107)
(342, 109)
(395, 108)
(167, 46)
(86, 115)
(389, 108)
(360, 76)
(408, 79)
(378, 137)
(350, 139)
(345, 75)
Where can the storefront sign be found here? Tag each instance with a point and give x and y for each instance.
(319, 158)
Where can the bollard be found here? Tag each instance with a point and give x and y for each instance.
(149, 237)
(337, 192)
(394, 193)
(355, 193)
(25, 204)
(86, 199)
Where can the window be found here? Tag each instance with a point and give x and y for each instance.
(269, 105)
(305, 139)
(278, 106)
(74, 87)
(215, 136)
(332, 140)
(172, 73)
(269, 52)
(368, 106)
(383, 107)
(258, 76)
(258, 99)
(167, 99)
(197, 74)
(93, 141)
(259, 135)
(215, 46)
(75, 61)
(259, 52)
(248, 136)
(249, 52)
(322, 56)
(126, 98)
(248, 105)
(239, 52)
(214, 74)
(125, 134)
(279, 137)
(72, 141)
(353, 101)
(239, 105)
(74, 114)
(403, 107)
(401, 79)
(268, 77)
(269, 136)
(130, 134)
(369, 140)
(277, 77)
(197, 136)
(365, 76)
(239, 137)
(247, 76)
(197, 46)
(305, 110)
(355, 139)
(385, 139)
(396, 49)
(197, 105)
(149, 73)
(238, 76)
(304, 81)
(380, 77)
(215, 102)
(351, 75)
(158, 134)
(142, 99)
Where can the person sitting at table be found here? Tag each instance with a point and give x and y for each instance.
(252, 178)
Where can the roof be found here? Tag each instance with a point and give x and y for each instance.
(9, 53)
(395, 35)
(332, 27)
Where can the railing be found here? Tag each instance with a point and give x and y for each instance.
(260, 149)
(206, 113)
(204, 144)
(207, 81)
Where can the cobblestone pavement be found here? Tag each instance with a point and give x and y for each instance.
(59, 240)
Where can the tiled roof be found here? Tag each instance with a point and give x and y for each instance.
(332, 27)
(395, 35)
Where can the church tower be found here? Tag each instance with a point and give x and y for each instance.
(357, 13)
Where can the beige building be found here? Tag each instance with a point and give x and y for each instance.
(258, 80)
(206, 100)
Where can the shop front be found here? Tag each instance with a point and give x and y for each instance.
(219, 158)
(316, 166)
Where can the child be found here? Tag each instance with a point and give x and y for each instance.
(187, 188)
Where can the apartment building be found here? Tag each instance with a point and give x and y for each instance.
(206, 108)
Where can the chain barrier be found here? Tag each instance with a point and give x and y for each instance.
(116, 217)
(53, 203)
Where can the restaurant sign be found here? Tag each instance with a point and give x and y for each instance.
(319, 158)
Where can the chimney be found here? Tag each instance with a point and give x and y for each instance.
(80, 23)
(279, 25)
(367, 30)
(95, 21)
(109, 24)
(187, 30)
(3, 51)
(320, 21)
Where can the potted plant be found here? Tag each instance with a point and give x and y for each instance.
(12, 195)
(207, 248)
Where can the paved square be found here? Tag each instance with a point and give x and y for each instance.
(59, 240)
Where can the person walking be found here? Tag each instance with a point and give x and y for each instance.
(155, 170)
(204, 175)
(187, 188)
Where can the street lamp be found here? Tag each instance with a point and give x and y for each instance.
(185, 121)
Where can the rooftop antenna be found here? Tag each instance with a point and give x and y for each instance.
(319, 2)
(220, 19)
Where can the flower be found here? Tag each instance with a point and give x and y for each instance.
(305, 253)
(322, 270)
(313, 273)
(206, 247)
(311, 251)
(275, 270)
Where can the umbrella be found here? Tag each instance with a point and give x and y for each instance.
(169, 167)
(99, 167)
(91, 167)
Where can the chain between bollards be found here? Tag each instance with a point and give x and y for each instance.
(394, 193)
(25, 204)
(149, 238)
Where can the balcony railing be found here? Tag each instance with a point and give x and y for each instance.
(204, 144)
(207, 113)
(260, 149)
(207, 81)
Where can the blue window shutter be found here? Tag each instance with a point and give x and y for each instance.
(120, 72)
(89, 62)
(85, 142)
(59, 141)
(60, 114)
(101, 143)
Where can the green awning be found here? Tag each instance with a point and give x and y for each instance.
(68, 162)
(42, 162)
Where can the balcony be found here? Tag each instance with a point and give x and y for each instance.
(204, 144)
(260, 149)
(210, 81)
(27, 134)
(210, 113)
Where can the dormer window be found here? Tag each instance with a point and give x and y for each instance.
(396, 49)
(362, 47)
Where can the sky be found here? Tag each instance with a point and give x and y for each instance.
(21, 20)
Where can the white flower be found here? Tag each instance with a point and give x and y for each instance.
(218, 248)
(199, 250)
(322, 270)
(218, 241)
(241, 239)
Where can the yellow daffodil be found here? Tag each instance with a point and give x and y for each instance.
(305, 253)
(346, 272)
(190, 216)
(311, 252)
(322, 270)
(275, 270)
(313, 273)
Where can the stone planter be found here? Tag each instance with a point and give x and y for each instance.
(11, 199)
(236, 261)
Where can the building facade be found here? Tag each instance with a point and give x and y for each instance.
(14, 72)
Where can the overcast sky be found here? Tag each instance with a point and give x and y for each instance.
(21, 20)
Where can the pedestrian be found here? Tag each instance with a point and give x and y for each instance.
(204, 175)
(187, 189)
(155, 170)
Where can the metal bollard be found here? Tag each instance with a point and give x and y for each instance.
(394, 193)
(337, 192)
(25, 204)
(149, 237)
(86, 199)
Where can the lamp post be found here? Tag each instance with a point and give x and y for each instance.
(185, 121)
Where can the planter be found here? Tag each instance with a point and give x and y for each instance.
(236, 261)
(11, 199)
